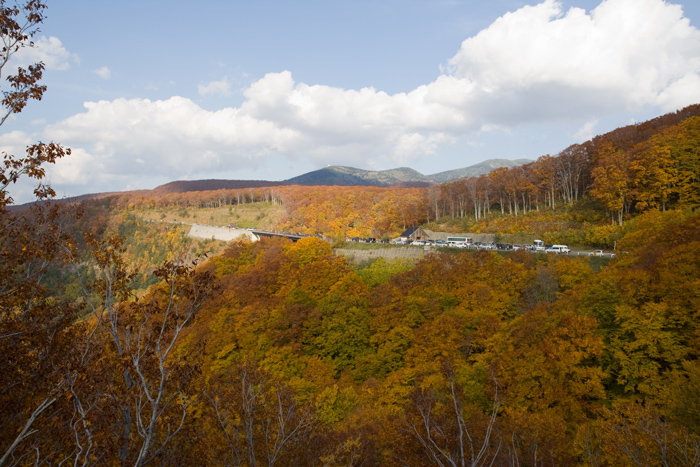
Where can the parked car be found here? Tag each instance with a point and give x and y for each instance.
(558, 249)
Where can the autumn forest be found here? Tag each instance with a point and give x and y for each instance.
(125, 342)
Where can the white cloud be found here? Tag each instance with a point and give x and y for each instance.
(15, 142)
(414, 146)
(586, 132)
(48, 50)
(678, 93)
(79, 168)
(103, 72)
(624, 55)
(216, 88)
(171, 137)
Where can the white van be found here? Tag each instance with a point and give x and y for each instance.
(557, 249)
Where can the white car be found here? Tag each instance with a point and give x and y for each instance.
(558, 249)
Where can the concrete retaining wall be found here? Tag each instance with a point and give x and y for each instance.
(357, 256)
(220, 233)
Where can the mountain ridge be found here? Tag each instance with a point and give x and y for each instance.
(349, 176)
(403, 177)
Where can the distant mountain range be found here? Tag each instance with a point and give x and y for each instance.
(403, 176)
(331, 175)
(346, 176)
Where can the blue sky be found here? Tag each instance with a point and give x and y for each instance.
(152, 91)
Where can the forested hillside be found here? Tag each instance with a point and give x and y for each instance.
(282, 353)
(651, 165)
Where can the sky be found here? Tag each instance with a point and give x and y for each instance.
(151, 91)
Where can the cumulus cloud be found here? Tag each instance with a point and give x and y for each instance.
(48, 50)
(176, 137)
(14, 142)
(586, 131)
(625, 54)
(216, 88)
(78, 169)
(173, 137)
(103, 72)
(537, 64)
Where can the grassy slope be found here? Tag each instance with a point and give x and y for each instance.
(258, 215)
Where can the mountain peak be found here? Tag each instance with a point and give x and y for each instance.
(350, 176)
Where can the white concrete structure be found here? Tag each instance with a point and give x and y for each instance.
(225, 234)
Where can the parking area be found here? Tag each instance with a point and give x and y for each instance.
(533, 248)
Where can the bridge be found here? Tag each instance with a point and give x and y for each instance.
(290, 235)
